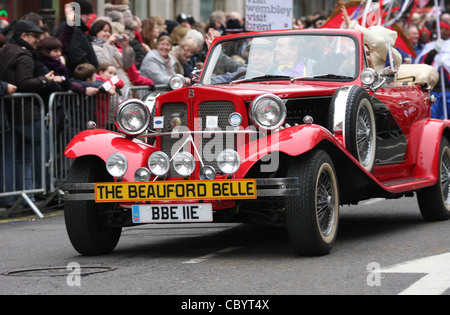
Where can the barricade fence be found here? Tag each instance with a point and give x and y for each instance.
(23, 146)
(33, 138)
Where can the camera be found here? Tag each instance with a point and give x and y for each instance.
(120, 38)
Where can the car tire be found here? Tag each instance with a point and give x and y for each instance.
(434, 201)
(312, 216)
(86, 221)
(360, 128)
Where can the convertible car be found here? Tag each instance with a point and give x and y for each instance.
(280, 127)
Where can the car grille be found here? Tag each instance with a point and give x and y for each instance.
(170, 110)
(211, 144)
(214, 144)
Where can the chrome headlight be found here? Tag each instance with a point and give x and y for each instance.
(142, 174)
(159, 163)
(117, 165)
(229, 161)
(267, 112)
(184, 163)
(132, 117)
(177, 82)
(207, 172)
(369, 76)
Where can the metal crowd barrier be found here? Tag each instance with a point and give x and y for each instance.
(24, 174)
(71, 112)
(23, 154)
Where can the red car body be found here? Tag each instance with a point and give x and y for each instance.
(407, 158)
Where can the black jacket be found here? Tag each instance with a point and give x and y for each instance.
(17, 67)
(80, 48)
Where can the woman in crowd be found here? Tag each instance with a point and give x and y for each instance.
(112, 48)
(185, 53)
(150, 33)
(158, 64)
(48, 57)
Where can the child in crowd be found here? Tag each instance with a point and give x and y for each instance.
(84, 80)
(107, 75)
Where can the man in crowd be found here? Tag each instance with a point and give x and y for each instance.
(17, 68)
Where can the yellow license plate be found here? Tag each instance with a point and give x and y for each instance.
(176, 190)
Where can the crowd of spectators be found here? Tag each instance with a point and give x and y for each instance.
(81, 56)
(149, 51)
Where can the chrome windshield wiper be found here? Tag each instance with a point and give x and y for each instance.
(266, 77)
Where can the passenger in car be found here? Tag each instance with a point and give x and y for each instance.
(286, 56)
(377, 38)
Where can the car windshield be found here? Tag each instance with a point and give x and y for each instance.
(282, 57)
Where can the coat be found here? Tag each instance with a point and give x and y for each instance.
(80, 49)
(375, 38)
(154, 67)
(17, 67)
(121, 60)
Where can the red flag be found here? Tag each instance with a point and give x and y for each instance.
(355, 9)
(335, 19)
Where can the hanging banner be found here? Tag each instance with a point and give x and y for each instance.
(266, 15)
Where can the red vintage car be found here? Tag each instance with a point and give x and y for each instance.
(281, 127)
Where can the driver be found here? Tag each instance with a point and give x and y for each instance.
(260, 63)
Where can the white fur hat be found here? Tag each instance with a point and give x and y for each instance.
(387, 34)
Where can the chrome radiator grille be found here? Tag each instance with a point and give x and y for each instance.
(211, 144)
(169, 111)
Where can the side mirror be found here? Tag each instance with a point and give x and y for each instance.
(389, 74)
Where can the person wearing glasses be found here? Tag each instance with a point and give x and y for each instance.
(17, 68)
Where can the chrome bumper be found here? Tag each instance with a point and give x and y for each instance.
(266, 187)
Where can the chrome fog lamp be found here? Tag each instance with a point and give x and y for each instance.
(177, 82)
(117, 165)
(132, 117)
(369, 76)
(267, 112)
(142, 174)
(229, 161)
(184, 163)
(159, 163)
(207, 173)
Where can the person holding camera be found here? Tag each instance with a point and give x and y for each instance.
(112, 48)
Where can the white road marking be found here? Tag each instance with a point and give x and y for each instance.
(372, 201)
(210, 256)
(437, 280)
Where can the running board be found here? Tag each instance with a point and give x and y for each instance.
(408, 184)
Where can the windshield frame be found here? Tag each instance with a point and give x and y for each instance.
(214, 53)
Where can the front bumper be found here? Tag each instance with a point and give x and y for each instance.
(265, 187)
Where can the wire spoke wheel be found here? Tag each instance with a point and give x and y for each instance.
(434, 201)
(312, 216)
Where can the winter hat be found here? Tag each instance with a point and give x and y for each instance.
(85, 6)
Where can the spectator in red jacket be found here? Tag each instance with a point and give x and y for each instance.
(106, 73)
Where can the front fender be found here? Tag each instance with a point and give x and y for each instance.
(292, 141)
(103, 143)
(428, 148)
